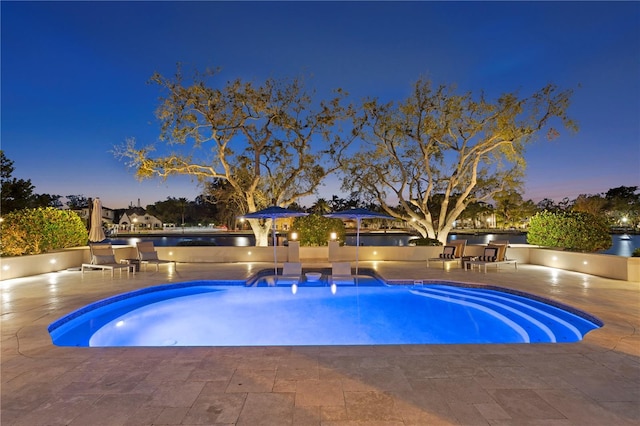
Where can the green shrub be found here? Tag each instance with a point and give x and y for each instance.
(425, 242)
(569, 230)
(34, 231)
(315, 229)
(636, 253)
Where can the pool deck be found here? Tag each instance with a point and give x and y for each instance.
(593, 382)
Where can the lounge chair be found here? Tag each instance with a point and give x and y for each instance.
(147, 254)
(452, 252)
(341, 273)
(103, 258)
(495, 254)
(291, 273)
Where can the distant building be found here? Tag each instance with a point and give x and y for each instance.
(138, 218)
(108, 215)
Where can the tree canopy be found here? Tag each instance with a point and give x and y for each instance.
(270, 143)
(18, 194)
(436, 152)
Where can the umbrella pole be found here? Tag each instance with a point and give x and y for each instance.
(90, 214)
(357, 246)
(275, 252)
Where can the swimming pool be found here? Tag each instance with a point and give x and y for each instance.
(210, 313)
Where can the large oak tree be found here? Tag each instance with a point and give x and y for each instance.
(272, 143)
(426, 158)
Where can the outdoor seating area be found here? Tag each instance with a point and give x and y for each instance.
(495, 254)
(147, 254)
(291, 273)
(453, 252)
(341, 273)
(103, 258)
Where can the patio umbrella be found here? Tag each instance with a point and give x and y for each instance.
(96, 234)
(358, 215)
(273, 213)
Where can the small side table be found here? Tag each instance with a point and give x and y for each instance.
(135, 264)
(466, 260)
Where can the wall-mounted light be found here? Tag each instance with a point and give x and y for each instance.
(52, 261)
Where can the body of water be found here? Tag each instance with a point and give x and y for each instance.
(214, 314)
(619, 247)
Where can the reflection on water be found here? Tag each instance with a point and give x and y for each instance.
(624, 247)
(400, 240)
(220, 239)
(486, 238)
(620, 247)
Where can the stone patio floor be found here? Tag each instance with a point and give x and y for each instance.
(593, 382)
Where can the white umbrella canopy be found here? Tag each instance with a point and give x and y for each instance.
(96, 234)
(358, 215)
(273, 213)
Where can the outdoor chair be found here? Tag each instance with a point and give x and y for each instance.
(103, 258)
(291, 273)
(341, 273)
(147, 254)
(451, 253)
(495, 254)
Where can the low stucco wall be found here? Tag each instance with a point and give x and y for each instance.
(616, 267)
(603, 265)
(24, 266)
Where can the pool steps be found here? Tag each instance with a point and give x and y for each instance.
(533, 320)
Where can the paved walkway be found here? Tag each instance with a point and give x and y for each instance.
(593, 382)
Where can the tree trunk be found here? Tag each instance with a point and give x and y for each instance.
(442, 237)
(261, 232)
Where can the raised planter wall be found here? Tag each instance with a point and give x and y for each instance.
(616, 267)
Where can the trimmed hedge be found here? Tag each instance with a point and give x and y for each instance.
(576, 231)
(425, 242)
(35, 231)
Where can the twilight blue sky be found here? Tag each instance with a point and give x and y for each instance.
(74, 76)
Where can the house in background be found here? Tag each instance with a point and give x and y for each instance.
(137, 218)
(108, 215)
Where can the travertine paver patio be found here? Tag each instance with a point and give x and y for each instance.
(594, 382)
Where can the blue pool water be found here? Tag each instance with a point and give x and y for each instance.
(227, 314)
